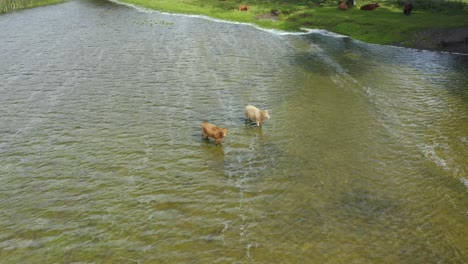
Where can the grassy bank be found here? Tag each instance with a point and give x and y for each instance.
(385, 25)
(11, 5)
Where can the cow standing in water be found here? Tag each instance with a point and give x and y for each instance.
(211, 131)
(252, 113)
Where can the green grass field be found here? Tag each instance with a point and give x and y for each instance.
(11, 5)
(385, 25)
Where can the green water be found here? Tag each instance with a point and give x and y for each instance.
(102, 161)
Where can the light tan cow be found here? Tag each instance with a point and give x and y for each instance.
(254, 114)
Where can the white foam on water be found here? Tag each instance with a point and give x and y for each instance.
(464, 181)
(430, 152)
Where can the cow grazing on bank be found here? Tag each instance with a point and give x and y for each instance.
(254, 114)
(342, 6)
(244, 8)
(407, 9)
(370, 7)
(211, 131)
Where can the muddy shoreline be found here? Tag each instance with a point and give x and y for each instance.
(453, 40)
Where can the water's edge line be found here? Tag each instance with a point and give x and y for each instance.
(306, 31)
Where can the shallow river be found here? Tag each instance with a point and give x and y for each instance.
(364, 158)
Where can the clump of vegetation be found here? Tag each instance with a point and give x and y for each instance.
(11, 5)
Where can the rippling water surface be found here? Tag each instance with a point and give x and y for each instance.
(364, 159)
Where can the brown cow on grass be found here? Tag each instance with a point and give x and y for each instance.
(342, 5)
(370, 7)
(244, 8)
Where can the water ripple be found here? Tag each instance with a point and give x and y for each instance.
(102, 156)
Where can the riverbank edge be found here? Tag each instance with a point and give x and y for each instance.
(452, 40)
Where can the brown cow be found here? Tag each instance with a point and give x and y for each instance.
(342, 6)
(217, 133)
(370, 7)
(244, 8)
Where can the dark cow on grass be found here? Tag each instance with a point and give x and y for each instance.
(407, 9)
(370, 7)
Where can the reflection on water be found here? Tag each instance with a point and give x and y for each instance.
(362, 161)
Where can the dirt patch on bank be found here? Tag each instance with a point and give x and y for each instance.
(449, 40)
(273, 15)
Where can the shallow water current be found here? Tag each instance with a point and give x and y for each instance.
(364, 158)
